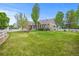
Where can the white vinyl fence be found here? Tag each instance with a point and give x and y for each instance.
(3, 36)
(72, 30)
(14, 30)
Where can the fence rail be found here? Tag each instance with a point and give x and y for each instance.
(3, 36)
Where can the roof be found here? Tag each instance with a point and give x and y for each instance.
(46, 21)
(30, 23)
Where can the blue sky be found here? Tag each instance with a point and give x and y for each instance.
(47, 10)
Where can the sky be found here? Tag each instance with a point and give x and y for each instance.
(47, 10)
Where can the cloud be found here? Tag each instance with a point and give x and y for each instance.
(10, 14)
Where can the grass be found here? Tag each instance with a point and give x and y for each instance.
(41, 43)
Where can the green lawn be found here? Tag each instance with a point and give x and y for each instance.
(41, 43)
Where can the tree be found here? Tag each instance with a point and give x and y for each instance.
(71, 19)
(17, 20)
(59, 19)
(13, 26)
(21, 20)
(77, 16)
(4, 20)
(35, 14)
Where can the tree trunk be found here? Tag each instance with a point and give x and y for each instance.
(36, 26)
(22, 28)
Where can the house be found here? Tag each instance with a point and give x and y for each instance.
(44, 24)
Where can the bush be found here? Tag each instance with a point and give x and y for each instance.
(41, 29)
(44, 29)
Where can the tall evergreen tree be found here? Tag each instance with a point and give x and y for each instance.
(35, 14)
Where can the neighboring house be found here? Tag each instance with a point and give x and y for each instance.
(44, 24)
